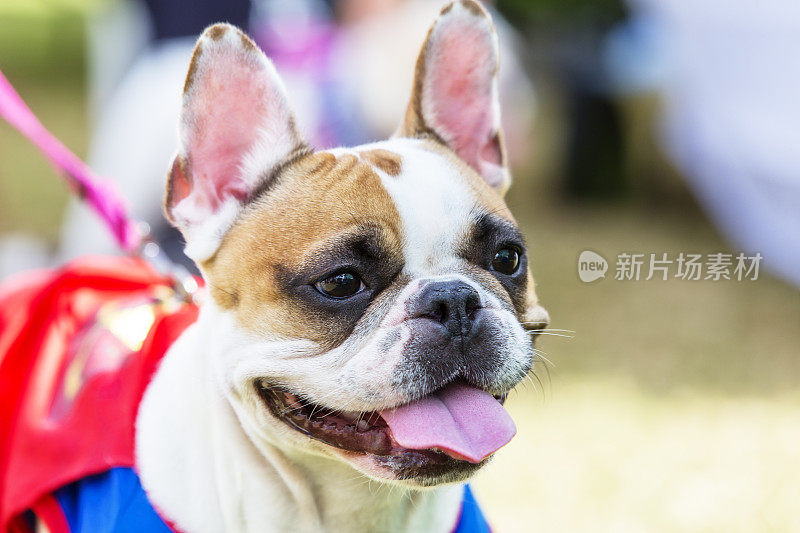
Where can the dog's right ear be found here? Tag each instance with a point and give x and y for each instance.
(236, 126)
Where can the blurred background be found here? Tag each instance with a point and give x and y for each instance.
(643, 126)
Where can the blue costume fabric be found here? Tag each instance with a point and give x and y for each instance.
(115, 501)
(111, 501)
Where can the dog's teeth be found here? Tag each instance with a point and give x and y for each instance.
(350, 430)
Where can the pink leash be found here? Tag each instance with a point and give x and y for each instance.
(102, 195)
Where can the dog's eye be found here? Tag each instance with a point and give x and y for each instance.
(506, 261)
(340, 285)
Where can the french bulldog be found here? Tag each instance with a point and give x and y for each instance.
(368, 309)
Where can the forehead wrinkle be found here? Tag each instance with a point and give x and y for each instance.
(325, 198)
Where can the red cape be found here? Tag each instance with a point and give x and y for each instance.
(78, 346)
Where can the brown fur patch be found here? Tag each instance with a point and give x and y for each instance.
(247, 43)
(177, 181)
(474, 7)
(313, 201)
(198, 51)
(216, 32)
(267, 180)
(532, 317)
(385, 160)
(499, 140)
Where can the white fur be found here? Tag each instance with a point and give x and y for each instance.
(203, 231)
(434, 201)
(207, 473)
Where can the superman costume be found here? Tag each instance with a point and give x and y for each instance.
(78, 347)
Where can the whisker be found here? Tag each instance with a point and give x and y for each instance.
(543, 357)
(528, 377)
(534, 332)
(538, 379)
(547, 329)
(549, 377)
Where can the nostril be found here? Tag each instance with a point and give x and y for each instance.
(441, 312)
(471, 304)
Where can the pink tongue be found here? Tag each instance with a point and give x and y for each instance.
(465, 422)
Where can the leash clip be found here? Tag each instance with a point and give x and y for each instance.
(184, 284)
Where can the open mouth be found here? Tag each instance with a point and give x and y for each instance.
(367, 433)
(457, 424)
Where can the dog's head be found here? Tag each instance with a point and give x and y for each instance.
(371, 303)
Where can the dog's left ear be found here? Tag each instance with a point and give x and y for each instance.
(236, 128)
(454, 96)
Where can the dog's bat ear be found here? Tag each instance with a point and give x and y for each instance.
(454, 98)
(235, 127)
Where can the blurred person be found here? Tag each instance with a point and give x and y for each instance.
(728, 82)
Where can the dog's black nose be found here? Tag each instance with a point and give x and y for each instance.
(450, 303)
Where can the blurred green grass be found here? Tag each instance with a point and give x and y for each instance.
(32, 197)
(605, 454)
(673, 407)
(42, 53)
